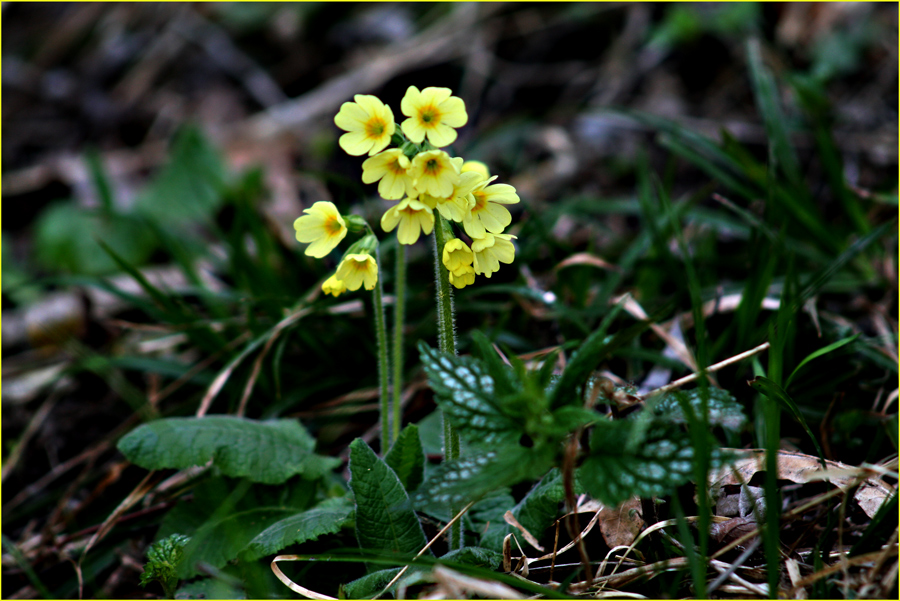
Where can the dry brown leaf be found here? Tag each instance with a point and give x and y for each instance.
(586, 259)
(801, 468)
(510, 519)
(621, 525)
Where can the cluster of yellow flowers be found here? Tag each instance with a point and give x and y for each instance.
(423, 179)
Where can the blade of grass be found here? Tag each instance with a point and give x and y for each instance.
(822, 351)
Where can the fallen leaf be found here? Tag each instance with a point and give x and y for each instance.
(801, 469)
(621, 525)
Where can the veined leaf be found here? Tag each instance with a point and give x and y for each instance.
(385, 520)
(535, 512)
(266, 452)
(219, 541)
(722, 409)
(369, 585)
(620, 467)
(325, 518)
(407, 458)
(472, 476)
(464, 392)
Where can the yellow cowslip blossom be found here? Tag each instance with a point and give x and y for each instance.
(456, 206)
(434, 113)
(369, 124)
(488, 213)
(476, 167)
(357, 270)
(434, 173)
(457, 256)
(413, 217)
(333, 286)
(392, 168)
(322, 227)
(463, 278)
(490, 251)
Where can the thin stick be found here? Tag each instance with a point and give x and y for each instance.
(690, 378)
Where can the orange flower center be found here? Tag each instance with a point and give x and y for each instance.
(429, 114)
(433, 167)
(375, 127)
(332, 226)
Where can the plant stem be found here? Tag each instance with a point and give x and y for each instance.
(399, 319)
(447, 344)
(383, 361)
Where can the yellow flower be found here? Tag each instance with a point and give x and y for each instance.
(463, 279)
(490, 251)
(476, 167)
(322, 226)
(413, 217)
(358, 270)
(434, 173)
(457, 257)
(487, 212)
(433, 112)
(333, 286)
(391, 167)
(369, 124)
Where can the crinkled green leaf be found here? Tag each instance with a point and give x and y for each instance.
(385, 520)
(464, 392)
(472, 476)
(722, 408)
(326, 518)
(369, 585)
(407, 458)
(475, 556)
(535, 512)
(267, 452)
(620, 467)
(219, 541)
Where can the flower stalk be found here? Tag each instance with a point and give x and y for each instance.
(447, 344)
(399, 320)
(383, 363)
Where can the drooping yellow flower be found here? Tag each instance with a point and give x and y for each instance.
(334, 286)
(369, 124)
(434, 113)
(434, 173)
(490, 251)
(488, 213)
(457, 256)
(476, 167)
(322, 227)
(357, 270)
(413, 217)
(463, 278)
(456, 206)
(392, 168)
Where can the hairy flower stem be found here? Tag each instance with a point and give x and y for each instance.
(447, 344)
(399, 318)
(383, 361)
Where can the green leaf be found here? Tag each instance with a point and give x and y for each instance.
(163, 558)
(326, 518)
(407, 458)
(267, 452)
(822, 351)
(210, 588)
(464, 392)
(369, 585)
(584, 361)
(66, 239)
(472, 476)
(474, 556)
(776, 393)
(723, 410)
(623, 463)
(220, 540)
(385, 519)
(535, 512)
(190, 187)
